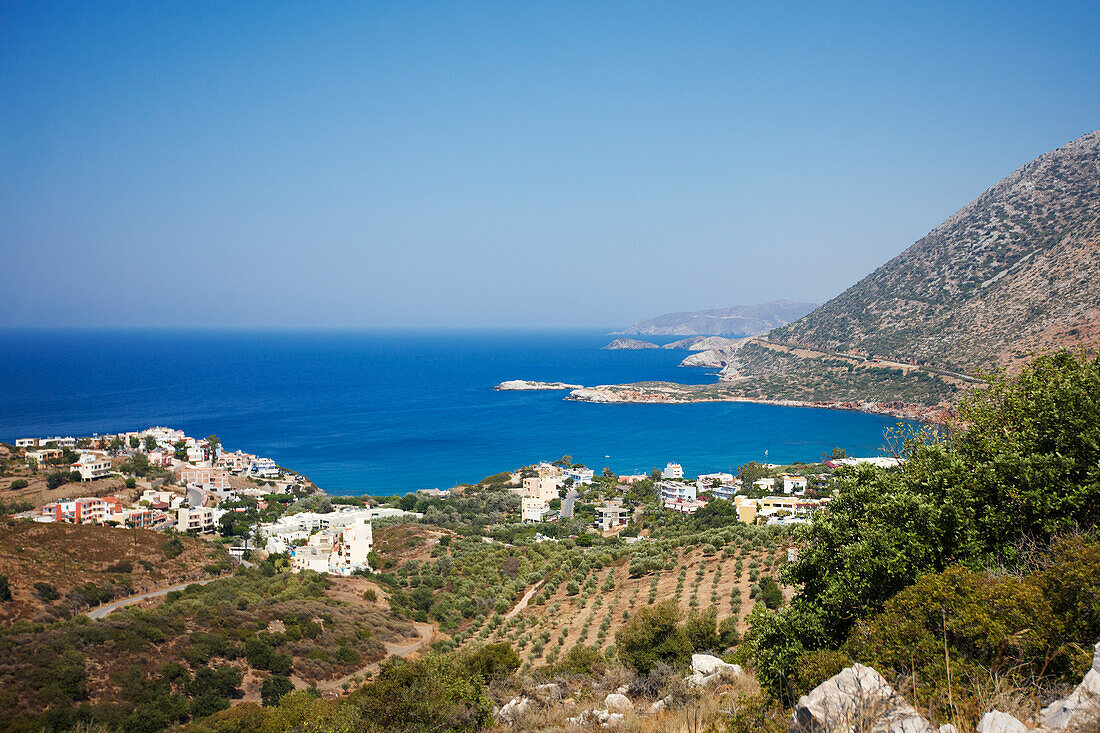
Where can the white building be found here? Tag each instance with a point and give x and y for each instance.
(533, 509)
(707, 479)
(541, 488)
(764, 484)
(579, 475)
(676, 491)
(195, 519)
(339, 551)
(793, 484)
(673, 470)
(263, 468)
(611, 515)
(91, 466)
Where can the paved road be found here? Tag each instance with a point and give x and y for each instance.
(567, 503)
(102, 611)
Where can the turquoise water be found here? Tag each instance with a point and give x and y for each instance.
(382, 413)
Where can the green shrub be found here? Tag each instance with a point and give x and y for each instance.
(653, 635)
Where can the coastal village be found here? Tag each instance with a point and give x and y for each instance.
(168, 481)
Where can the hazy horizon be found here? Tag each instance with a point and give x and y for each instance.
(494, 165)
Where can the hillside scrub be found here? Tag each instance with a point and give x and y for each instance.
(1021, 468)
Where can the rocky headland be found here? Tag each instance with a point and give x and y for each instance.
(524, 385)
(625, 344)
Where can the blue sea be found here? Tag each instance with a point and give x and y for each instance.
(389, 412)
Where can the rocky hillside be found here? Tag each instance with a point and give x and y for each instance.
(740, 320)
(1014, 271)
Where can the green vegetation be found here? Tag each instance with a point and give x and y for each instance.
(905, 557)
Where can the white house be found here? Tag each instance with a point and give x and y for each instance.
(579, 475)
(339, 551)
(263, 468)
(793, 484)
(673, 470)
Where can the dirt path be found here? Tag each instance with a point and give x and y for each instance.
(425, 635)
(523, 601)
(102, 611)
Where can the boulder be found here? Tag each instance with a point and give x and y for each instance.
(548, 693)
(707, 664)
(997, 722)
(657, 707)
(513, 709)
(857, 698)
(1081, 707)
(618, 703)
(948, 728)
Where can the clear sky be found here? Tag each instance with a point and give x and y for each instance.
(222, 164)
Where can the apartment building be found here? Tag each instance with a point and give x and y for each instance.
(92, 466)
(611, 515)
(208, 479)
(195, 519)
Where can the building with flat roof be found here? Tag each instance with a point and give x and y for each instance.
(610, 515)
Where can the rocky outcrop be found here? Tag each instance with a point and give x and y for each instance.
(522, 385)
(857, 698)
(703, 343)
(706, 668)
(630, 344)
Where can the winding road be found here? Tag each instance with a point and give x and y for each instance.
(425, 634)
(101, 611)
(567, 503)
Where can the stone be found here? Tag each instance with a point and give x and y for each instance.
(948, 728)
(997, 722)
(857, 698)
(548, 693)
(1082, 707)
(513, 709)
(657, 707)
(618, 703)
(707, 664)
(621, 689)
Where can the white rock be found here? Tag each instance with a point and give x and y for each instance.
(657, 707)
(548, 692)
(621, 689)
(997, 722)
(857, 698)
(1080, 707)
(707, 664)
(948, 728)
(513, 709)
(618, 703)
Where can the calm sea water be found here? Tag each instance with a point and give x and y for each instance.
(383, 413)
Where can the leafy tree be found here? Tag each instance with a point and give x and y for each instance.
(56, 479)
(273, 688)
(150, 443)
(5, 588)
(770, 593)
(493, 661)
(135, 441)
(701, 629)
(653, 635)
(18, 484)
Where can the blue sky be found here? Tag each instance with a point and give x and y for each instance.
(502, 164)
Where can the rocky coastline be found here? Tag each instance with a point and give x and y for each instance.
(676, 394)
(524, 385)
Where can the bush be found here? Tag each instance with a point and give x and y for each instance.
(493, 661)
(581, 659)
(653, 635)
(18, 483)
(5, 588)
(434, 693)
(172, 547)
(46, 592)
(701, 628)
(273, 688)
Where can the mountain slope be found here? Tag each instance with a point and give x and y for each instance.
(1015, 270)
(740, 320)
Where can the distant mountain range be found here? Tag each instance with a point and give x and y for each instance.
(740, 320)
(1015, 270)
